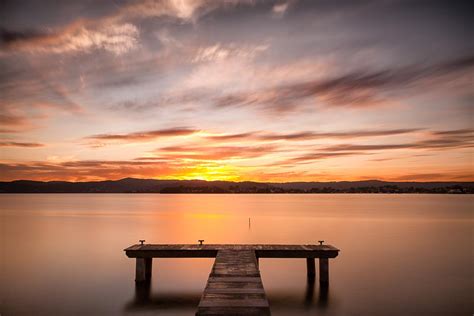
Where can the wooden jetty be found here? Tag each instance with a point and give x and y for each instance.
(234, 286)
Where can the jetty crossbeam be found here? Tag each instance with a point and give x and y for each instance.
(234, 286)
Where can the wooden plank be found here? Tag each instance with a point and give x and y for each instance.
(210, 251)
(234, 286)
(244, 311)
(237, 302)
(235, 290)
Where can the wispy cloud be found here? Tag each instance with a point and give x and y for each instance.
(89, 170)
(77, 37)
(452, 176)
(185, 10)
(113, 32)
(358, 88)
(215, 152)
(444, 141)
(11, 119)
(20, 117)
(320, 155)
(309, 135)
(83, 170)
(280, 8)
(143, 136)
(20, 144)
(219, 52)
(253, 136)
(430, 144)
(456, 132)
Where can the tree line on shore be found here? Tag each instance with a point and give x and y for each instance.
(455, 189)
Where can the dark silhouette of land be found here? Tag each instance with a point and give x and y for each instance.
(131, 185)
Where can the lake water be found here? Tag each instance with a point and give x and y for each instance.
(62, 254)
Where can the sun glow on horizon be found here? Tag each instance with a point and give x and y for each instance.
(208, 91)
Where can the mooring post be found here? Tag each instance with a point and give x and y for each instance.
(143, 269)
(324, 270)
(311, 267)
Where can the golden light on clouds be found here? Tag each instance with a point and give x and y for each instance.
(233, 90)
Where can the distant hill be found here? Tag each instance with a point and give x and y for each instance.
(131, 185)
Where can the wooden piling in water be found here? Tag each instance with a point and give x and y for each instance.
(143, 269)
(324, 270)
(311, 267)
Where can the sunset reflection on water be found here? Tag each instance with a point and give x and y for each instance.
(63, 254)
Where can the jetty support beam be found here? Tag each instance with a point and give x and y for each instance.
(143, 269)
(311, 267)
(323, 270)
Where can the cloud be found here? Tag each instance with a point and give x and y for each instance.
(80, 36)
(309, 135)
(18, 117)
(84, 170)
(144, 136)
(352, 147)
(184, 10)
(456, 132)
(280, 8)
(20, 144)
(445, 141)
(453, 176)
(10, 119)
(91, 170)
(113, 33)
(319, 156)
(231, 137)
(358, 88)
(9, 37)
(220, 52)
(215, 152)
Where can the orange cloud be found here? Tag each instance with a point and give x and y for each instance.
(90, 170)
(20, 144)
(310, 135)
(143, 136)
(215, 152)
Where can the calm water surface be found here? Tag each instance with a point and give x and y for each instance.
(400, 254)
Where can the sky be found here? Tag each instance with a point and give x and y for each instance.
(274, 91)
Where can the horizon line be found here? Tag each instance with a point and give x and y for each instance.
(245, 181)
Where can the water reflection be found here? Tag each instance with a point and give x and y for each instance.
(144, 299)
(323, 298)
(91, 231)
(309, 294)
(142, 293)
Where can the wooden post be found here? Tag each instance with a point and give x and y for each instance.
(311, 267)
(143, 269)
(324, 270)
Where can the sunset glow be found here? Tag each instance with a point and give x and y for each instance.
(235, 90)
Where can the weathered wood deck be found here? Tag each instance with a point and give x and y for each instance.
(234, 286)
